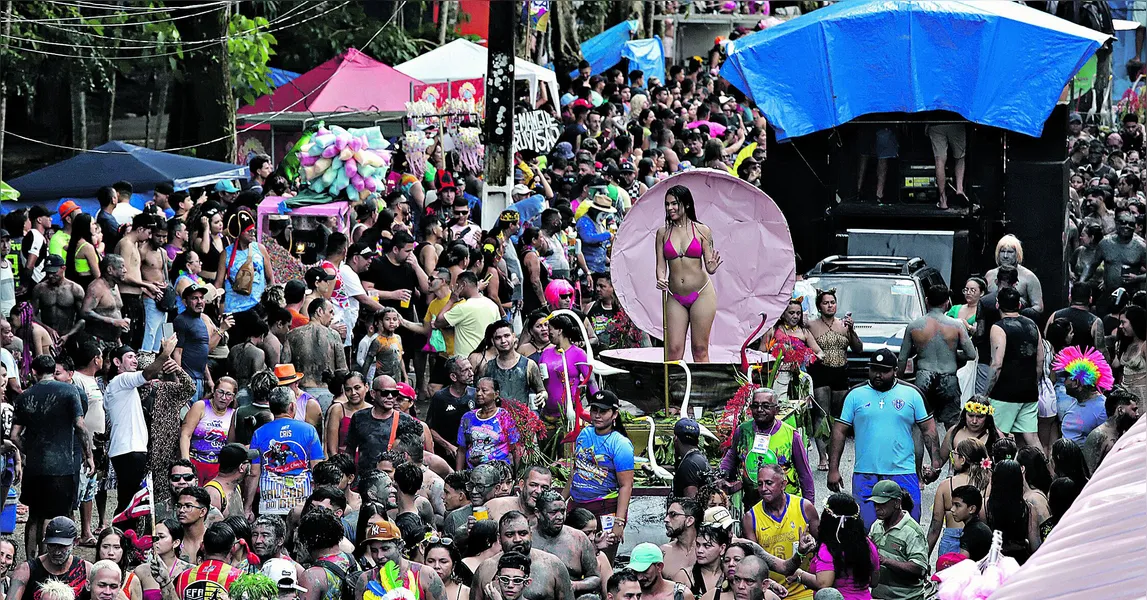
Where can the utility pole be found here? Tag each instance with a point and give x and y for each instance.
(499, 110)
(3, 83)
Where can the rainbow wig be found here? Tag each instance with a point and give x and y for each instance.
(554, 292)
(1086, 366)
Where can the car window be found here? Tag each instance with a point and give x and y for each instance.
(874, 299)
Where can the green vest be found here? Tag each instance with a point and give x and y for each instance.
(13, 257)
(779, 443)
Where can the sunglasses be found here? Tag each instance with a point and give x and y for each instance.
(182, 477)
(387, 393)
(760, 406)
(445, 541)
(507, 580)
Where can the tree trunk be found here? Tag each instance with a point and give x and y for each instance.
(4, 84)
(627, 10)
(443, 20)
(564, 40)
(211, 116)
(161, 105)
(79, 108)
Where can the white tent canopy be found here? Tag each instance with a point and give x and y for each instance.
(463, 59)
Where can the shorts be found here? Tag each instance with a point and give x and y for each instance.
(862, 484)
(1016, 417)
(941, 395)
(946, 134)
(950, 540)
(879, 142)
(835, 378)
(89, 486)
(49, 496)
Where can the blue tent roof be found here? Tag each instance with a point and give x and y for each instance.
(603, 50)
(80, 176)
(995, 63)
(281, 76)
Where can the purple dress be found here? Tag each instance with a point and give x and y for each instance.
(577, 365)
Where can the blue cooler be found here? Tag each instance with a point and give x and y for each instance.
(8, 517)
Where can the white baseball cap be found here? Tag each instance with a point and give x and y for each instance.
(282, 572)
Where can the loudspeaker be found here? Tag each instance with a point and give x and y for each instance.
(1051, 145)
(1035, 211)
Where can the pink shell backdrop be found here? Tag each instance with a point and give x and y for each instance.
(749, 231)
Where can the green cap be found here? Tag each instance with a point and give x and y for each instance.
(885, 491)
(645, 555)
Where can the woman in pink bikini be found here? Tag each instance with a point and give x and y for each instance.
(684, 275)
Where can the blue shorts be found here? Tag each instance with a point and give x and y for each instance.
(862, 484)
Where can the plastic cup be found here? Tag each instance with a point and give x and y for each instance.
(697, 413)
(405, 303)
(481, 513)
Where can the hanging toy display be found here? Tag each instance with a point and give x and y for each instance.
(346, 162)
(415, 144)
(470, 148)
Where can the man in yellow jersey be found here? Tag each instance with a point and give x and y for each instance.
(786, 527)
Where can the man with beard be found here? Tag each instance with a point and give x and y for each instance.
(153, 269)
(1122, 412)
(682, 518)
(102, 309)
(648, 562)
(374, 431)
(749, 580)
(58, 301)
(1084, 408)
(570, 545)
(882, 414)
(531, 483)
(316, 347)
(134, 287)
(549, 578)
(56, 564)
(480, 488)
(517, 375)
(1123, 255)
(1009, 251)
(268, 536)
(384, 545)
(786, 527)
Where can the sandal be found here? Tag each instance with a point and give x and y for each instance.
(88, 543)
(822, 467)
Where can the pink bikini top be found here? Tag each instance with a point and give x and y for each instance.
(693, 251)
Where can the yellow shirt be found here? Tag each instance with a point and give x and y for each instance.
(780, 538)
(432, 311)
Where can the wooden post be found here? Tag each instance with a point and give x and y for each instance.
(500, 109)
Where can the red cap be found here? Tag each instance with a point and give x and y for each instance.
(68, 208)
(406, 390)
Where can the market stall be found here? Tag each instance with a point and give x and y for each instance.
(463, 59)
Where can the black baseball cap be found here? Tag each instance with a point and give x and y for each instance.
(60, 530)
(53, 263)
(883, 359)
(38, 211)
(233, 455)
(687, 429)
(194, 287)
(605, 399)
(315, 274)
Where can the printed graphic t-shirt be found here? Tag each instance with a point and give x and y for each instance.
(597, 460)
(285, 448)
(487, 440)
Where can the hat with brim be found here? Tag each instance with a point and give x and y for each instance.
(719, 517)
(645, 555)
(286, 374)
(379, 530)
(885, 491)
(194, 288)
(603, 203)
(240, 222)
(605, 399)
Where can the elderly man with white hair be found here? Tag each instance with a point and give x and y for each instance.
(1009, 251)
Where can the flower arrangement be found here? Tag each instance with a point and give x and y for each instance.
(254, 586)
(792, 352)
(470, 148)
(977, 408)
(416, 144)
(1086, 366)
(731, 416)
(531, 431)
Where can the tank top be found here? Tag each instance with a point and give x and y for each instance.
(210, 435)
(13, 257)
(530, 299)
(232, 503)
(209, 580)
(301, 406)
(1017, 381)
(834, 345)
(7, 289)
(779, 537)
(78, 269)
(1081, 322)
(76, 576)
(513, 382)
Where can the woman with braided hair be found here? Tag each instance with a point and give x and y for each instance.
(36, 338)
(845, 559)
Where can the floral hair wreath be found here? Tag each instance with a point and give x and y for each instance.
(978, 408)
(1086, 366)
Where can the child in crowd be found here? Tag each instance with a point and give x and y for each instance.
(967, 502)
(380, 351)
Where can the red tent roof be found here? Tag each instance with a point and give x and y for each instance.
(357, 82)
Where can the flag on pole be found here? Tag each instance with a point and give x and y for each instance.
(139, 506)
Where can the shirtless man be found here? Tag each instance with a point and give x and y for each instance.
(58, 302)
(1009, 251)
(432, 488)
(102, 307)
(682, 519)
(153, 270)
(570, 545)
(315, 347)
(133, 288)
(649, 563)
(1122, 412)
(1123, 254)
(938, 342)
(247, 357)
(549, 578)
(533, 480)
(279, 324)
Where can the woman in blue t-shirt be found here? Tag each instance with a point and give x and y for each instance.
(487, 432)
(602, 477)
(242, 228)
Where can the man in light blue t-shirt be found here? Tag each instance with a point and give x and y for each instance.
(882, 414)
(288, 449)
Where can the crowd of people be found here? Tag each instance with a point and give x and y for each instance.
(373, 419)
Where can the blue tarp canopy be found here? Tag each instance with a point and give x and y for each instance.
(995, 63)
(603, 50)
(80, 176)
(646, 55)
(281, 76)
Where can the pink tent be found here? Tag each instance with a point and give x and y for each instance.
(1099, 549)
(351, 84)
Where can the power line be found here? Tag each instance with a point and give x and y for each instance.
(270, 118)
(200, 44)
(217, 5)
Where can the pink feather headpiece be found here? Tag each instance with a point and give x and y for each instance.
(1086, 366)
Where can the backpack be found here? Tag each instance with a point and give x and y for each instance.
(348, 579)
